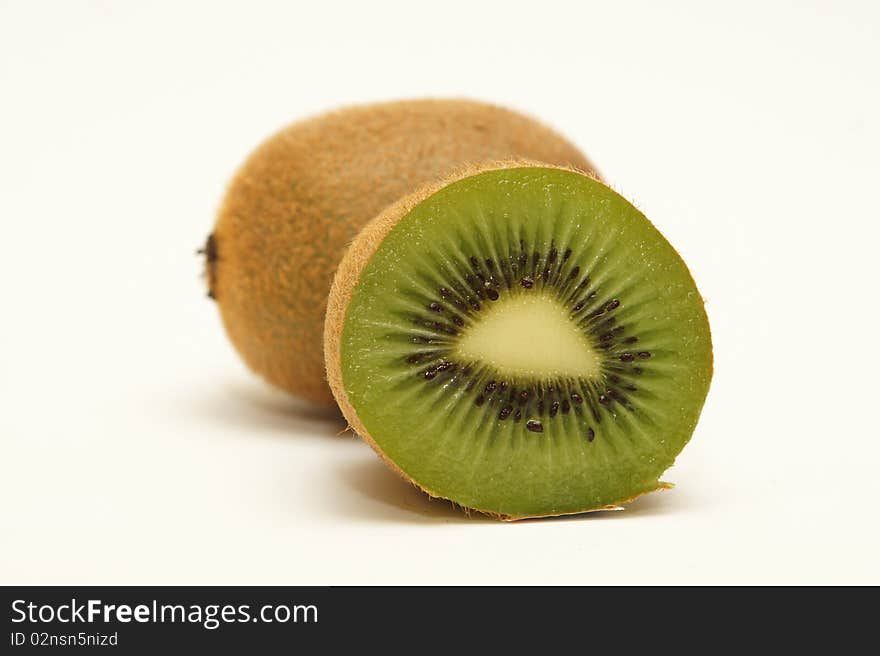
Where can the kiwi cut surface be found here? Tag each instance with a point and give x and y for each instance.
(303, 195)
(520, 340)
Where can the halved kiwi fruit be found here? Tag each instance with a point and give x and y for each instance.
(520, 340)
(299, 199)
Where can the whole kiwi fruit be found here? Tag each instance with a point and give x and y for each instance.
(521, 340)
(303, 195)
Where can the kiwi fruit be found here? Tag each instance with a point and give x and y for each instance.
(303, 195)
(521, 340)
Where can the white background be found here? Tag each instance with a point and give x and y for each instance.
(137, 449)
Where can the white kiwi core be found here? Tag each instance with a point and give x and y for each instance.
(529, 335)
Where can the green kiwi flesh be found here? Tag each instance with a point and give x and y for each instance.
(525, 342)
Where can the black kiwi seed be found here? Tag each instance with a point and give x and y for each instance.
(435, 307)
(631, 340)
(612, 305)
(644, 355)
(492, 294)
(566, 406)
(576, 398)
(554, 408)
(490, 387)
(505, 412)
(591, 435)
(527, 282)
(627, 357)
(535, 426)
(574, 272)
(517, 416)
(480, 400)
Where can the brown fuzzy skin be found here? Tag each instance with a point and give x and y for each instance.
(299, 199)
(347, 276)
